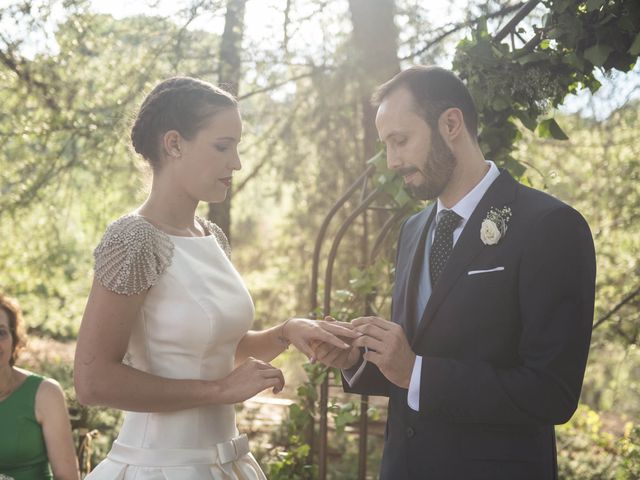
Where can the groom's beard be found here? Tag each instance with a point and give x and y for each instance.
(437, 169)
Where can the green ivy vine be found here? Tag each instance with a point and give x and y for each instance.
(522, 84)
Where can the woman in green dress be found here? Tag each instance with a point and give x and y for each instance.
(35, 433)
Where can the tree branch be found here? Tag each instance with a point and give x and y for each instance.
(459, 26)
(315, 71)
(285, 28)
(622, 303)
(10, 61)
(267, 156)
(523, 11)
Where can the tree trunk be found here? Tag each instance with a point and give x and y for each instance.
(375, 39)
(375, 49)
(229, 78)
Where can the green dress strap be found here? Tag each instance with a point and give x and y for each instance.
(23, 453)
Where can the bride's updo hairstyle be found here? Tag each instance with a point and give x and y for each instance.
(183, 104)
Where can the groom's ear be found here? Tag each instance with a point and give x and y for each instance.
(451, 125)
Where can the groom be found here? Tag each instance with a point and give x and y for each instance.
(492, 302)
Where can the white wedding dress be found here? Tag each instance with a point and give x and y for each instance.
(193, 317)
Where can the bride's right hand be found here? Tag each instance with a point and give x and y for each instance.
(248, 379)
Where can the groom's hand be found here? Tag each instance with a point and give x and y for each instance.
(332, 356)
(336, 357)
(388, 348)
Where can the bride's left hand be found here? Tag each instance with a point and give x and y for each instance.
(301, 332)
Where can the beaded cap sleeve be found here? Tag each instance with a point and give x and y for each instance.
(132, 255)
(218, 233)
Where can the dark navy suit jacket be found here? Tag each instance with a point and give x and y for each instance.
(504, 352)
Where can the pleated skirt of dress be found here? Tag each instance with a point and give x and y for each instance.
(229, 460)
(245, 468)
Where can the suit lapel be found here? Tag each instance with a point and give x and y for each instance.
(468, 246)
(416, 246)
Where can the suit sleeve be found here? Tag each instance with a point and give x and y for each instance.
(556, 297)
(371, 381)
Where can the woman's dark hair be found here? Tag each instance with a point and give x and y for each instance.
(179, 103)
(434, 90)
(11, 307)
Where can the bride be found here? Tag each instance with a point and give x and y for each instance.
(165, 333)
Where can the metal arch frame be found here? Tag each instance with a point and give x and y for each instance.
(368, 196)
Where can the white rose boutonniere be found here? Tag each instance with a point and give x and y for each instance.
(494, 226)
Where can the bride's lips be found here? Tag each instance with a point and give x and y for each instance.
(226, 181)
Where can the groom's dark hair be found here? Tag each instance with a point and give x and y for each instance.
(434, 90)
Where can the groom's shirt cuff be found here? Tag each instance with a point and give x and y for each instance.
(352, 374)
(413, 398)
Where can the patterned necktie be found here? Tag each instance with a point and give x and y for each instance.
(442, 243)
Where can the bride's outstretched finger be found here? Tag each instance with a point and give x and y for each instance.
(302, 331)
(343, 330)
(327, 354)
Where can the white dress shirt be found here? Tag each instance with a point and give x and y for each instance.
(465, 208)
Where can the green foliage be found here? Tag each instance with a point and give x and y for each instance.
(343, 414)
(600, 33)
(66, 166)
(629, 447)
(549, 128)
(295, 436)
(292, 463)
(588, 452)
(511, 83)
